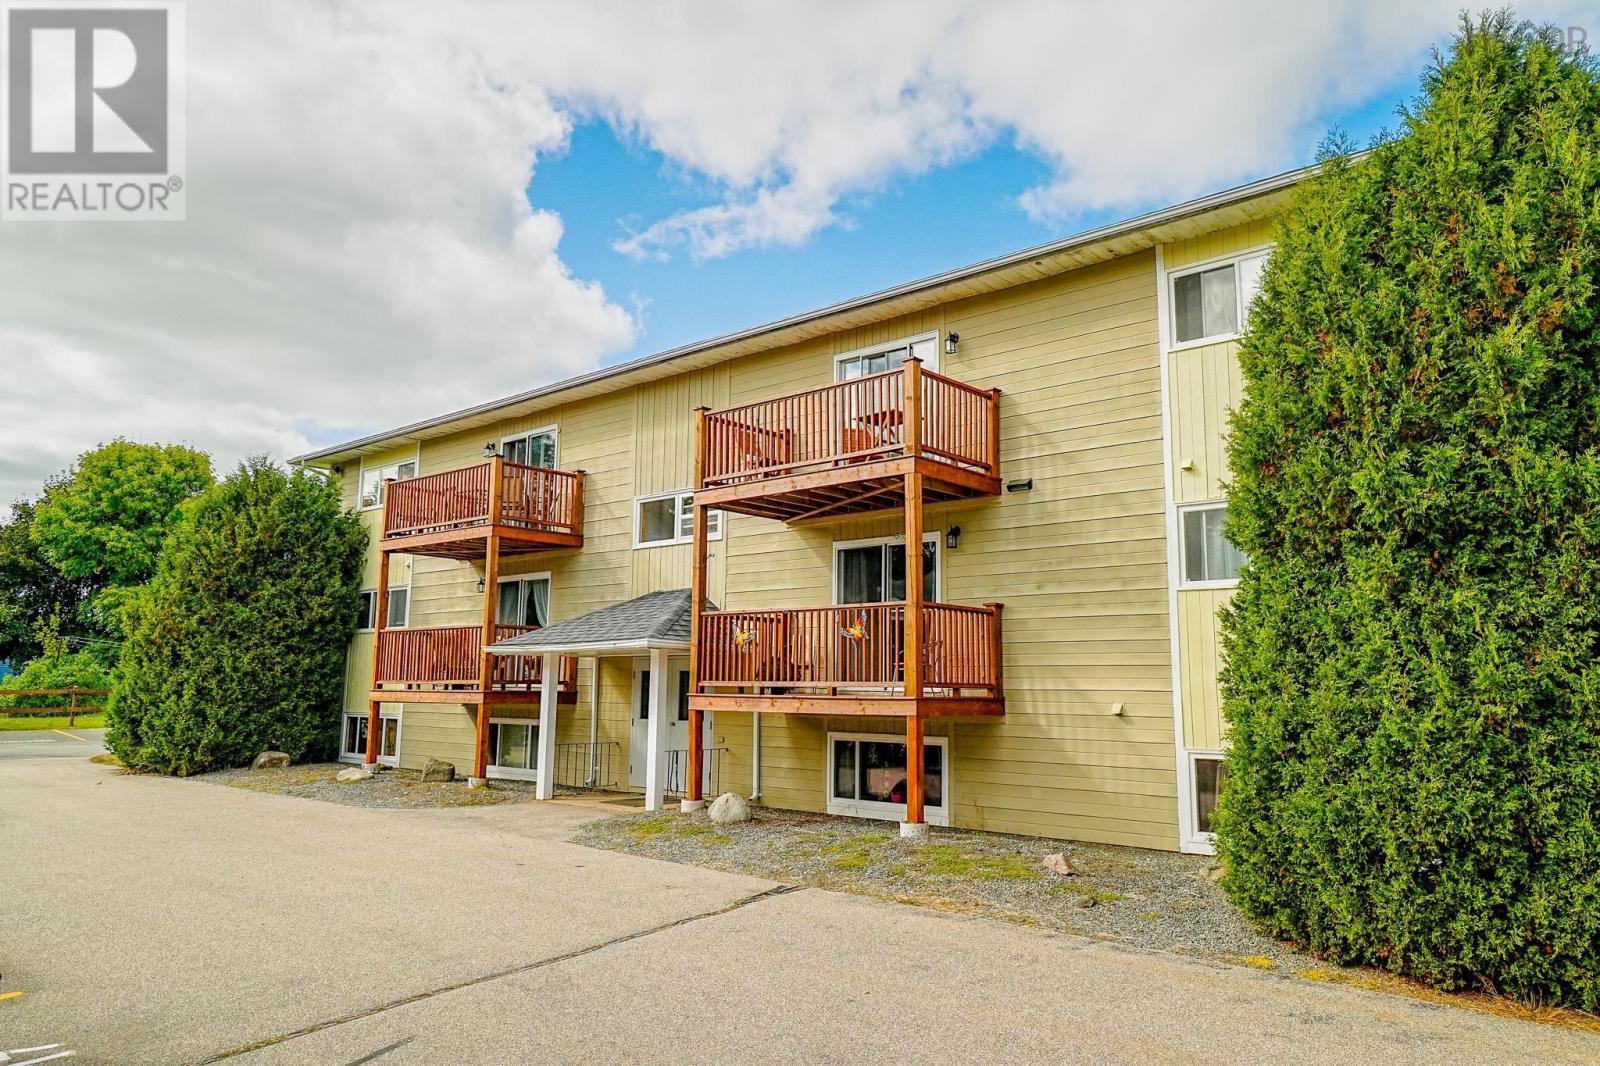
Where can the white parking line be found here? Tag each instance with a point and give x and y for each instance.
(5, 1056)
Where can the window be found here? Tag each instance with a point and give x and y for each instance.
(867, 777)
(367, 618)
(1214, 302)
(353, 746)
(372, 479)
(399, 612)
(523, 601)
(875, 571)
(1208, 556)
(669, 519)
(683, 695)
(513, 748)
(1210, 775)
(531, 449)
(889, 357)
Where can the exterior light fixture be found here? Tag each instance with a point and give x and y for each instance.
(950, 340)
(482, 587)
(952, 538)
(488, 450)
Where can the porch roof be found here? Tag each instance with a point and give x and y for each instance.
(654, 620)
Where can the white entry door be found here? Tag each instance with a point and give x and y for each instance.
(677, 727)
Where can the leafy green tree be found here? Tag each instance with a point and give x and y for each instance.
(34, 594)
(104, 522)
(1413, 677)
(238, 643)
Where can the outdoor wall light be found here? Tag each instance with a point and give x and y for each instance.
(952, 538)
(950, 340)
(1020, 485)
(482, 586)
(488, 450)
(338, 469)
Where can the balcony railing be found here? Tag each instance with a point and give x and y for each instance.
(450, 656)
(851, 422)
(854, 647)
(529, 497)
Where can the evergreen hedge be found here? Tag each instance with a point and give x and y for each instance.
(238, 643)
(1412, 683)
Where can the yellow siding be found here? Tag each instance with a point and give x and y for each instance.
(1219, 242)
(1199, 660)
(1206, 387)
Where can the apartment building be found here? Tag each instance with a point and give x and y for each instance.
(689, 574)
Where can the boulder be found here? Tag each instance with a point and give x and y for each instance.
(1058, 864)
(729, 807)
(438, 770)
(353, 773)
(271, 760)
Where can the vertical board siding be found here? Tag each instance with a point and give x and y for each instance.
(1199, 662)
(1206, 387)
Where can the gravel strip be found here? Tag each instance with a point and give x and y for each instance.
(1149, 899)
(393, 789)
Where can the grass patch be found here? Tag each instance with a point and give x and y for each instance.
(676, 827)
(51, 721)
(947, 860)
(105, 759)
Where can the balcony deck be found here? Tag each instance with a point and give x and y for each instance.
(849, 660)
(452, 514)
(847, 447)
(440, 664)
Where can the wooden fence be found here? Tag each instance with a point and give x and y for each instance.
(71, 708)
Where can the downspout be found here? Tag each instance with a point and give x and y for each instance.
(755, 757)
(594, 724)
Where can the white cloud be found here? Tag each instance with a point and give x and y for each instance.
(359, 250)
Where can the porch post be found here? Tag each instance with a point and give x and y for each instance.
(655, 766)
(913, 827)
(692, 798)
(549, 693)
(491, 595)
(380, 611)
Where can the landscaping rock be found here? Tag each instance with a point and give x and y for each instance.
(271, 760)
(1085, 902)
(438, 770)
(352, 774)
(1213, 873)
(729, 807)
(1057, 863)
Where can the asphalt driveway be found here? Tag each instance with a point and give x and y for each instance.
(146, 920)
(50, 743)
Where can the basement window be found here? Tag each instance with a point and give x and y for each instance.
(513, 748)
(1210, 775)
(867, 777)
(353, 745)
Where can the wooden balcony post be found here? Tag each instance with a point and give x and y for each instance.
(916, 595)
(491, 595)
(997, 651)
(692, 798)
(994, 432)
(380, 612)
(914, 827)
(913, 414)
(577, 500)
(497, 484)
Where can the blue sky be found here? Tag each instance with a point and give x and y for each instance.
(604, 186)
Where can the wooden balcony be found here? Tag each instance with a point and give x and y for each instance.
(440, 664)
(847, 447)
(529, 508)
(849, 660)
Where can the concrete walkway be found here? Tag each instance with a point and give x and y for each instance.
(156, 921)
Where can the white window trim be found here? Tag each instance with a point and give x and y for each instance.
(509, 773)
(887, 346)
(399, 736)
(1169, 286)
(411, 574)
(1194, 838)
(1184, 583)
(372, 628)
(540, 575)
(553, 430)
(638, 526)
(893, 812)
(361, 475)
(935, 537)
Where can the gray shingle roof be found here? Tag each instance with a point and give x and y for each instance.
(654, 619)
